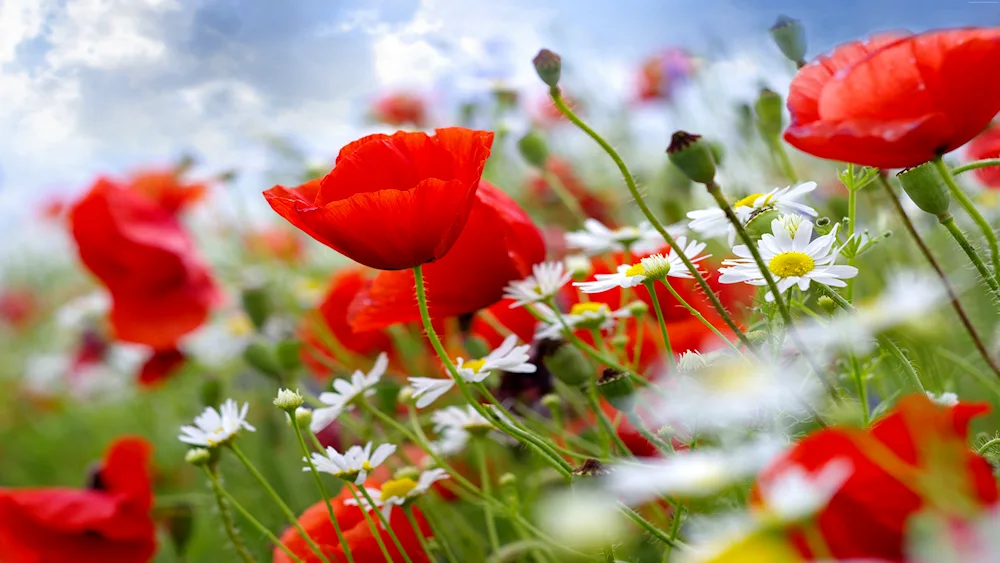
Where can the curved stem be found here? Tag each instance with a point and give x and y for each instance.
(649, 527)
(671, 360)
(974, 165)
(952, 296)
(852, 216)
(385, 524)
(609, 429)
(277, 500)
(634, 190)
(227, 517)
(694, 312)
(949, 223)
(371, 524)
(661, 444)
(564, 195)
(786, 163)
(408, 511)
(484, 482)
(322, 489)
(970, 208)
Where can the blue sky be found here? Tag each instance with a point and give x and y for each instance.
(107, 85)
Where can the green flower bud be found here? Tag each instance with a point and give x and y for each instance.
(288, 400)
(288, 354)
(260, 357)
(617, 388)
(476, 346)
(548, 65)
(926, 188)
(770, 120)
(198, 456)
(790, 36)
(406, 472)
(637, 308)
(759, 224)
(619, 341)
(303, 416)
(552, 402)
(534, 148)
(692, 156)
(827, 304)
(569, 365)
(507, 480)
(257, 304)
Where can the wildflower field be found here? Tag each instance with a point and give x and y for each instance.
(509, 333)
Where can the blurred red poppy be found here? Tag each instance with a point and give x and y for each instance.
(322, 341)
(17, 307)
(896, 102)
(593, 205)
(160, 365)
(393, 201)
(933, 469)
(275, 242)
(360, 539)
(987, 145)
(168, 189)
(500, 243)
(400, 108)
(107, 523)
(160, 287)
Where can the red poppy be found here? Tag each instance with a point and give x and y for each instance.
(318, 340)
(896, 102)
(360, 540)
(592, 204)
(867, 518)
(168, 189)
(160, 365)
(500, 243)
(17, 307)
(987, 145)
(278, 243)
(400, 108)
(392, 202)
(160, 287)
(107, 523)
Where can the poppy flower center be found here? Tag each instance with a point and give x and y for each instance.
(399, 488)
(791, 264)
(636, 270)
(474, 365)
(583, 308)
(747, 201)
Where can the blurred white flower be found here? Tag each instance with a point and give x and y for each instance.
(399, 492)
(581, 315)
(426, 390)
(545, 281)
(507, 357)
(352, 465)
(712, 222)
(796, 494)
(347, 392)
(81, 311)
(221, 340)
(654, 267)
(595, 238)
(944, 399)
(216, 427)
(582, 519)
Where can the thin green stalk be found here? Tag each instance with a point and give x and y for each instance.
(661, 444)
(227, 517)
(595, 405)
(675, 529)
(563, 194)
(970, 208)
(859, 383)
(852, 212)
(786, 163)
(694, 312)
(385, 524)
(322, 488)
(532, 442)
(949, 223)
(484, 482)
(651, 287)
(408, 511)
(435, 532)
(974, 165)
(648, 526)
(371, 524)
(277, 500)
(634, 190)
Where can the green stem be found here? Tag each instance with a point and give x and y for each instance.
(532, 442)
(859, 383)
(322, 488)
(408, 511)
(639, 425)
(277, 500)
(970, 208)
(675, 529)
(671, 360)
(648, 526)
(385, 524)
(227, 517)
(974, 165)
(786, 163)
(852, 211)
(694, 312)
(595, 405)
(563, 194)
(949, 223)
(986, 445)
(634, 190)
(484, 482)
(371, 524)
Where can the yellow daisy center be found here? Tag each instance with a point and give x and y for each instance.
(747, 201)
(791, 264)
(239, 325)
(367, 466)
(474, 365)
(636, 270)
(590, 307)
(397, 488)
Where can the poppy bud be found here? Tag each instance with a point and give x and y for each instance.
(568, 365)
(262, 358)
(257, 304)
(760, 224)
(790, 36)
(548, 65)
(534, 149)
(692, 156)
(617, 389)
(288, 354)
(770, 120)
(926, 188)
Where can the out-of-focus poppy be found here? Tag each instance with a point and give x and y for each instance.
(500, 243)
(987, 145)
(278, 243)
(160, 365)
(896, 102)
(398, 109)
(109, 522)
(392, 202)
(592, 204)
(167, 188)
(914, 458)
(17, 307)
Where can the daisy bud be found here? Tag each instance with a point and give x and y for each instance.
(579, 266)
(790, 36)
(508, 480)
(198, 456)
(569, 365)
(617, 388)
(257, 303)
(262, 358)
(406, 472)
(692, 156)
(826, 303)
(656, 267)
(303, 416)
(619, 341)
(534, 149)
(760, 224)
(637, 308)
(288, 400)
(691, 361)
(288, 354)
(405, 395)
(757, 336)
(666, 433)
(926, 188)
(770, 120)
(548, 65)
(553, 403)
(592, 468)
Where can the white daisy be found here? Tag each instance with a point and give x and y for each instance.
(582, 315)
(217, 427)
(546, 279)
(352, 465)
(599, 239)
(796, 494)
(347, 392)
(507, 357)
(426, 390)
(654, 267)
(712, 222)
(466, 419)
(400, 492)
(792, 260)
(450, 442)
